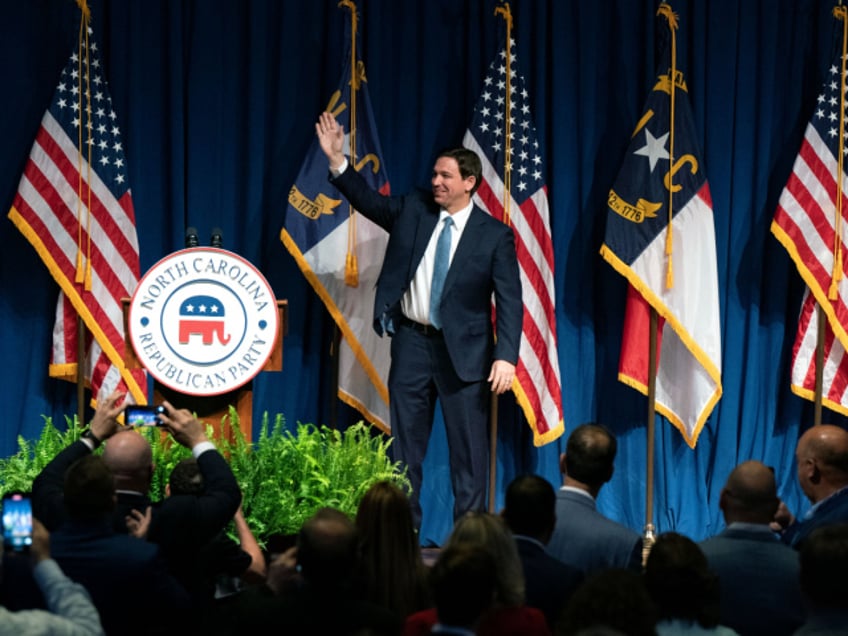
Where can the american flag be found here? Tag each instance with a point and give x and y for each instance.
(688, 374)
(73, 205)
(806, 224)
(503, 138)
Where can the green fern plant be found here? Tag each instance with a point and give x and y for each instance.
(284, 476)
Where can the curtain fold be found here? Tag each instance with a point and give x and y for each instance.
(218, 100)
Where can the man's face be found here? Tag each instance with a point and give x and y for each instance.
(450, 190)
(805, 465)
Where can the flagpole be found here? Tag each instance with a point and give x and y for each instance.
(648, 536)
(817, 417)
(507, 181)
(80, 370)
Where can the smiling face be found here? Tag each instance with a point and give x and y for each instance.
(450, 190)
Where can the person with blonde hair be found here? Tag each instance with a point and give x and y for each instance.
(508, 614)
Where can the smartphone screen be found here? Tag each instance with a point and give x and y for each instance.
(137, 415)
(17, 522)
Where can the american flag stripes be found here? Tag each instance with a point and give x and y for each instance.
(806, 224)
(74, 206)
(537, 387)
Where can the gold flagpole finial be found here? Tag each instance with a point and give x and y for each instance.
(83, 5)
(666, 11)
(506, 13)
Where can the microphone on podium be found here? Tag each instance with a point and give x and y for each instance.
(191, 239)
(217, 239)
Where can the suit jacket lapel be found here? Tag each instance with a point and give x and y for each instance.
(426, 225)
(465, 249)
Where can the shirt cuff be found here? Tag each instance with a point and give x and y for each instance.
(202, 447)
(341, 169)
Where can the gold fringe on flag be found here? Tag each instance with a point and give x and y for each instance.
(507, 181)
(665, 11)
(351, 267)
(839, 13)
(83, 274)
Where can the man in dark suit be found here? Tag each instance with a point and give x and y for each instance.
(758, 575)
(583, 537)
(822, 461)
(444, 261)
(179, 524)
(529, 512)
(120, 572)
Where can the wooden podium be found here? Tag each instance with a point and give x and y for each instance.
(212, 409)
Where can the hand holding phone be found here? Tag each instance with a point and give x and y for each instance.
(17, 522)
(137, 415)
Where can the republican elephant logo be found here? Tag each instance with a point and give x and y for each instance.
(204, 316)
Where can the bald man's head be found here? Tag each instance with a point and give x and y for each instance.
(750, 494)
(822, 461)
(130, 458)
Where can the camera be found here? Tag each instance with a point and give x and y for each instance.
(17, 522)
(137, 415)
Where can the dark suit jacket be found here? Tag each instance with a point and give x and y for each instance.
(484, 262)
(587, 540)
(833, 510)
(180, 525)
(126, 578)
(758, 579)
(549, 583)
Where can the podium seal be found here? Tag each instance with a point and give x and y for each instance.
(203, 321)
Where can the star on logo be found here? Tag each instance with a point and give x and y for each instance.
(654, 148)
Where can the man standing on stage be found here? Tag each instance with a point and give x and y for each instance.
(444, 260)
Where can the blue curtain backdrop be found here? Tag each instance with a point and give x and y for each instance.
(217, 100)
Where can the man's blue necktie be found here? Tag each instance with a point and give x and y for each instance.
(440, 272)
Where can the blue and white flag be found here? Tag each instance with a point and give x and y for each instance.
(662, 188)
(340, 251)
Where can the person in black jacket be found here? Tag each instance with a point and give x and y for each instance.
(178, 524)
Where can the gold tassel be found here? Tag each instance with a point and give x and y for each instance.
(351, 270)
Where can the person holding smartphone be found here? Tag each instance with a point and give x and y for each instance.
(178, 525)
(69, 607)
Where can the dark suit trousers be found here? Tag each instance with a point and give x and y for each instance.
(421, 371)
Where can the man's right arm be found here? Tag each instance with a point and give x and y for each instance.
(48, 499)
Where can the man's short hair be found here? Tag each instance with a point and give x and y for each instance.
(530, 505)
(824, 561)
(89, 488)
(327, 548)
(590, 453)
(468, 162)
(186, 478)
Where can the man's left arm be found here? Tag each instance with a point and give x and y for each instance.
(509, 312)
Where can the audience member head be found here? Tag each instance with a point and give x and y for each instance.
(89, 489)
(612, 601)
(327, 549)
(389, 549)
(530, 507)
(750, 494)
(129, 456)
(588, 458)
(463, 584)
(185, 478)
(824, 562)
(680, 582)
(490, 532)
(822, 459)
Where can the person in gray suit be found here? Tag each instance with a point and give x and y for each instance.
(758, 575)
(583, 537)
